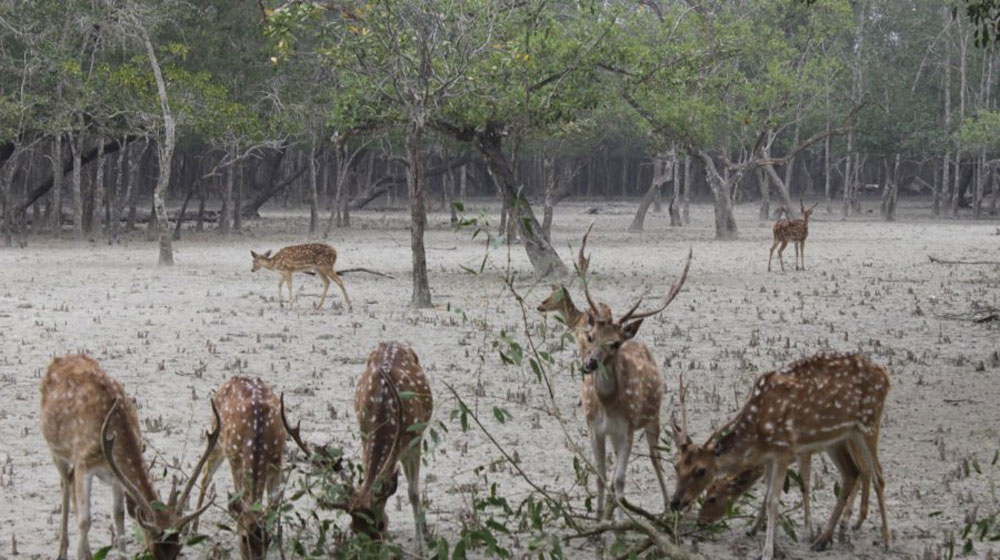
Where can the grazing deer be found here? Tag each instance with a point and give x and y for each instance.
(393, 404)
(621, 389)
(725, 490)
(815, 404)
(311, 258)
(253, 442)
(92, 429)
(795, 231)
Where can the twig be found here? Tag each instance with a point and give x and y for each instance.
(360, 269)
(944, 261)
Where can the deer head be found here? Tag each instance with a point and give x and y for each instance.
(806, 212)
(161, 526)
(260, 260)
(605, 335)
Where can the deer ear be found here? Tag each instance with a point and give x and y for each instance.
(252, 254)
(267, 254)
(631, 329)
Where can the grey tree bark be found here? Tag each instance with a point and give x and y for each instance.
(165, 150)
(57, 185)
(421, 296)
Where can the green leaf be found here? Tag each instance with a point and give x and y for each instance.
(102, 553)
(459, 205)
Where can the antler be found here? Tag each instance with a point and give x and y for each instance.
(294, 432)
(213, 438)
(680, 432)
(674, 290)
(583, 263)
(108, 446)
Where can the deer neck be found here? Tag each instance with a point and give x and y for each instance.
(128, 457)
(572, 315)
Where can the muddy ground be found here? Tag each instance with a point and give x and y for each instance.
(172, 335)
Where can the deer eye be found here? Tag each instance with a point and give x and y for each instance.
(590, 338)
(616, 345)
(700, 472)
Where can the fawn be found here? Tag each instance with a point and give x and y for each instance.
(621, 389)
(814, 404)
(795, 231)
(393, 404)
(311, 258)
(253, 442)
(92, 429)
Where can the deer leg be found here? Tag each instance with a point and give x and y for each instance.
(653, 436)
(208, 471)
(774, 483)
(280, 283)
(601, 463)
(291, 292)
(849, 478)
(340, 283)
(770, 253)
(81, 485)
(275, 495)
(326, 287)
(869, 452)
(762, 512)
(623, 448)
(66, 485)
(118, 513)
(781, 249)
(802, 251)
(805, 473)
(411, 467)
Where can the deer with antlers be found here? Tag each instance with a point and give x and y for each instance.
(92, 429)
(311, 258)
(819, 403)
(253, 442)
(559, 301)
(621, 389)
(795, 231)
(393, 404)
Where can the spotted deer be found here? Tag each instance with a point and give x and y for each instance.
(311, 258)
(393, 404)
(725, 490)
(559, 301)
(795, 231)
(253, 442)
(819, 403)
(621, 389)
(92, 429)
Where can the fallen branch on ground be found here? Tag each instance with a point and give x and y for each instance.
(944, 261)
(359, 269)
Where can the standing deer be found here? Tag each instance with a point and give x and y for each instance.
(92, 428)
(559, 301)
(621, 389)
(795, 231)
(818, 403)
(393, 404)
(253, 442)
(311, 258)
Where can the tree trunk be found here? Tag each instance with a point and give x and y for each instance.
(890, 190)
(549, 179)
(57, 185)
(765, 196)
(6, 186)
(313, 188)
(848, 175)
(686, 214)
(663, 166)
(226, 213)
(239, 178)
(418, 218)
(543, 257)
(826, 171)
(76, 144)
(675, 200)
(96, 222)
(166, 153)
(117, 201)
(725, 222)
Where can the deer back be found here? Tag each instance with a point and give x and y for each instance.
(252, 439)
(76, 397)
(392, 397)
(304, 256)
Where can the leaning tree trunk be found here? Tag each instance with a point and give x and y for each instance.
(543, 257)
(663, 170)
(418, 218)
(165, 150)
(765, 196)
(780, 188)
(725, 221)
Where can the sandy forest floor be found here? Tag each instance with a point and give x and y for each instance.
(172, 335)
